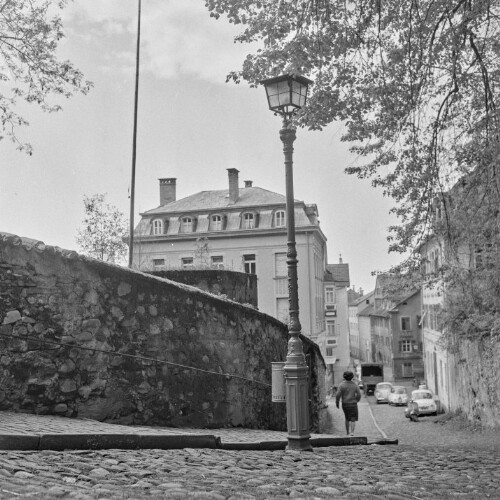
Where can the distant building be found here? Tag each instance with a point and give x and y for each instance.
(243, 229)
(396, 339)
(359, 330)
(406, 328)
(334, 342)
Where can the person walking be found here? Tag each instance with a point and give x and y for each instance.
(350, 394)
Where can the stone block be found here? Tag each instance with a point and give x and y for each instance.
(11, 317)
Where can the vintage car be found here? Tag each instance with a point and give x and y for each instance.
(421, 403)
(398, 396)
(382, 391)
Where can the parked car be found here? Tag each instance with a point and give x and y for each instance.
(421, 403)
(398, 396)
(382, 391)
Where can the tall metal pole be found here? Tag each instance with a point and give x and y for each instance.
(134, 142)
(296, 370)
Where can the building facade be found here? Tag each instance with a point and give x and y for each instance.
(359, 327)
(243, 229)
(406, 327)
(334, 342)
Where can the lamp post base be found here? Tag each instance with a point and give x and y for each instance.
(297, 399)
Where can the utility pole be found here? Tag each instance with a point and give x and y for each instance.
(134, 142)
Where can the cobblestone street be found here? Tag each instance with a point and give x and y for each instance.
(432, 461)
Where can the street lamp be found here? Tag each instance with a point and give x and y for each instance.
(285, 95)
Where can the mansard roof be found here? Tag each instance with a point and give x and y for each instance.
(337, 274)
(219, 200)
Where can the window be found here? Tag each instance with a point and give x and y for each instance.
(331, 329)
(405, 323)
(187, 225)
(331, 341)
(329, 352)
(281, 287)
(249, 264)
(217, 261)
(157, 226)
(216, 223)
(330, 295)
(158, 263)
(279, 218)
(280, 265)
(282, 308)
(187, 262)
(407, 370)
(405, 346)
(248, 221)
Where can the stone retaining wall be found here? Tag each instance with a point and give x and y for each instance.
(477, 381)
(79, 337)
(237, 286)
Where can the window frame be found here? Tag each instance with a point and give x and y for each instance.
(248, 220)
(185, 227)
(403, 320)
(155, 224)
(280, 218)
(329, 290)
(216, 225)
(185, 264)
(405, 346)
(251, 263)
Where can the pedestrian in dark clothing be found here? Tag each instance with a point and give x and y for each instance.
(350, 394)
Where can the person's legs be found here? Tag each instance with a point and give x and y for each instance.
(353, 425)
(347, 426)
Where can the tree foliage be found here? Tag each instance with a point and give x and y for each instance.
(416, 85)
(103, 231)
(414, 81)
(29, 67)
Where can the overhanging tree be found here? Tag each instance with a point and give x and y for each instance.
(416, 85)
(414, 81)
(104, 231)
(30, 69)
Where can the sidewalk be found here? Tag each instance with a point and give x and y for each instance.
(21, 431)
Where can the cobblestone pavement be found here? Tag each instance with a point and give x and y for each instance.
(432, 461)
(365, 472)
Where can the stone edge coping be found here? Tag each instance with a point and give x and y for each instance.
(101, 441)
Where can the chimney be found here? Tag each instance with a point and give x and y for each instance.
(248, 184)
(167, 190)
(234, 189)
(340, 259)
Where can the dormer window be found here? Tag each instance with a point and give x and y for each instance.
(157, 226)
(248, 220)
(279, 218)
(187, 224)
(216, 222)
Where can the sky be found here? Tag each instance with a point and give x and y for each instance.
(192, 125)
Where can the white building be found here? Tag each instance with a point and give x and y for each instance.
(334, 342)
(243, 229)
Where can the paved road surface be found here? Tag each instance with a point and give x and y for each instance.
(433, 461)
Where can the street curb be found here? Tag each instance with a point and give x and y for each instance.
(281, 445)
(103, 441)
(164, 442)
(60, 442)
(19, 442)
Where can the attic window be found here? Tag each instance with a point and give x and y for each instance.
(216, 223)
(157, 226)
(279, 218)
(187, 225)
(248, 220)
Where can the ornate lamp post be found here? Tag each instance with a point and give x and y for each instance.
(287, 94)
